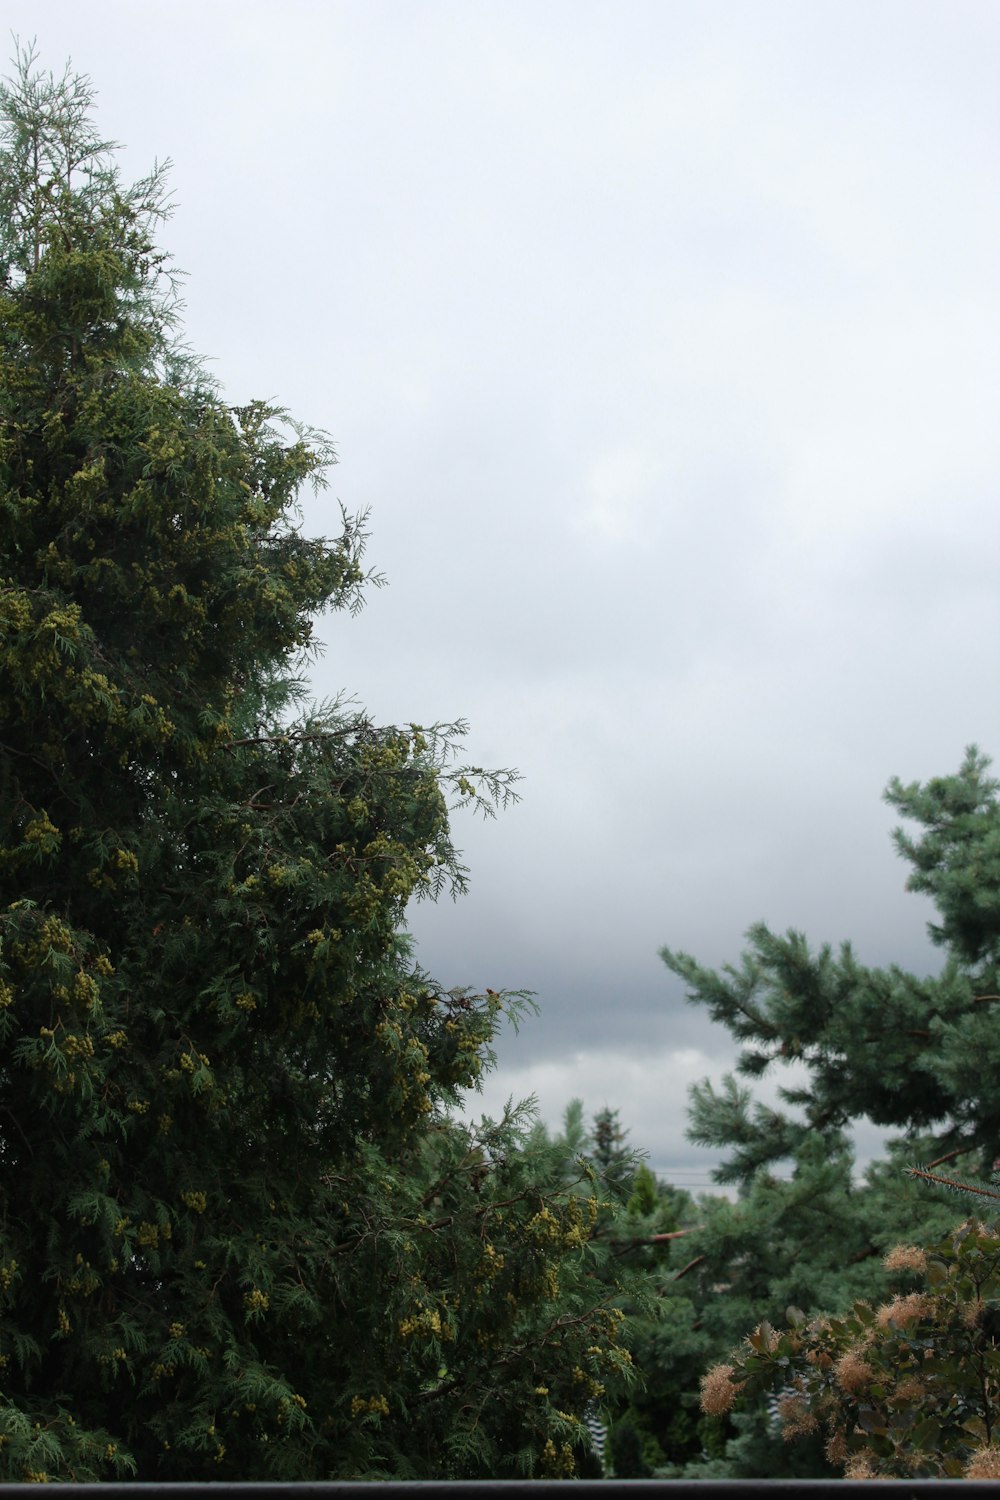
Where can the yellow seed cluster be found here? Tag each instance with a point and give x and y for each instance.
(491, 1264)
(85, 989)
(361, 1405)
(544, 1225)
(78, 1046)
(83, 1283)
(43, 832)
(426, 1320)
(557, 1463)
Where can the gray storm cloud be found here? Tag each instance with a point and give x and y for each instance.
(663, 342)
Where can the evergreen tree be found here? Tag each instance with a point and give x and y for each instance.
(803, 1237)
(240, 1235)
(612, 1158)
(916, 1053)
(638, 1223)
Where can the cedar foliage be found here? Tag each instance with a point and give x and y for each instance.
(240, 1235)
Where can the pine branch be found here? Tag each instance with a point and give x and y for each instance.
(939, 1161)
(976, 1189)
(689, 1267)
(623, 1244)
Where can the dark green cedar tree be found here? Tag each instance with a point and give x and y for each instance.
(241, 1235)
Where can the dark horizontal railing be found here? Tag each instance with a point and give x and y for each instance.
(523, 1489)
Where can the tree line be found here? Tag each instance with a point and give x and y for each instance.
(245, 1232)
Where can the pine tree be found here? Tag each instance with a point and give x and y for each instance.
(804, 1237)
(614, 1160)
(916, 1053)
(240, 1236)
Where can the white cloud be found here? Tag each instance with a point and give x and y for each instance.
(621, 487)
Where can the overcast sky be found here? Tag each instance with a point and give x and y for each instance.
(662, 338)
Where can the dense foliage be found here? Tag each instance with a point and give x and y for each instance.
(909, 1389)
(240, 1234)
(712, 1268)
